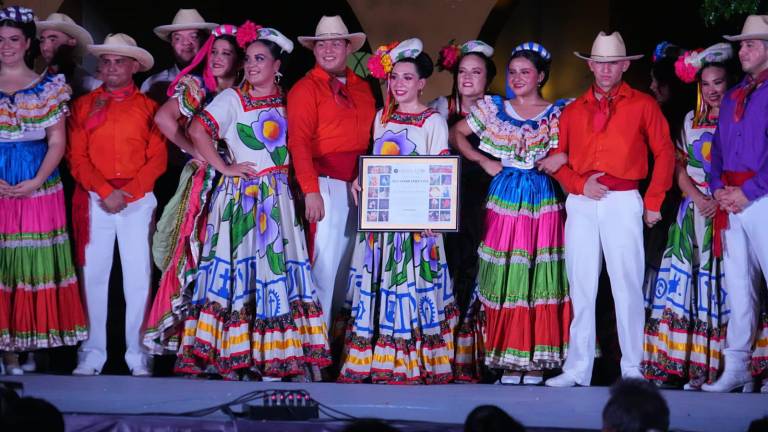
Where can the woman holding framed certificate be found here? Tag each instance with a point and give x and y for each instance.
(400, 307)
(521, 284)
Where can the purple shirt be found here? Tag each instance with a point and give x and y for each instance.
(742, 146)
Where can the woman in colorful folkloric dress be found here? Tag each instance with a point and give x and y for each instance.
(686, 328)
(254, 313)
(177, 243)
(473, 71)
(521, 281)
(400, 309)
(39, 295)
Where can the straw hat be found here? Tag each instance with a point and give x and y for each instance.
(124, 45)
(332, 27)
(755, 27)
(608, 48)
(65, 24)
(185, 19)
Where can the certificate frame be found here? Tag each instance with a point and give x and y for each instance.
(409, 193)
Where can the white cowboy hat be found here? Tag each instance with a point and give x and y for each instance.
(608, 48)
(65, 24)
(185, 19)
(755, 27)
(332, 27)
(124, 45)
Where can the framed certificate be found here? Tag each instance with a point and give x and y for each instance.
(409, 193)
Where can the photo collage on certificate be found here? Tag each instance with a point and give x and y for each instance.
(379, 177)
(440, 181)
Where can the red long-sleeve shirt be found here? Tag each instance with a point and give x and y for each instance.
(128, 145)
(319, 126)
(621, 150)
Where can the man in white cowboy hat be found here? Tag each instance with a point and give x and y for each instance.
(607, 133)
(115, 153)
(61, 40)
(186, 34)
(330, 114)
(739, 181)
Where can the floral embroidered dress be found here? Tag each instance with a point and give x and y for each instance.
(254, 310)
(177, 242)
(39, 295)
(688, 314)
(521, 283)
(400, 309)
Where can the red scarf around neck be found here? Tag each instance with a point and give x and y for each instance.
(742, 94)
(604, 106)
(340, 93)
(97, 115)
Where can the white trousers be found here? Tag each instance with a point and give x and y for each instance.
(334, 241)
(746, 253)
(610, 227)
(131, 227)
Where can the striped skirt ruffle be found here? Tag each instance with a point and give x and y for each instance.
(522, 282)
(40, 303)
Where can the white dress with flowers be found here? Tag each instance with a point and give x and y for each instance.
(254, 310)
(400, 308)
(685, 332)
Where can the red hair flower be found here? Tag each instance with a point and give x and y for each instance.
(380, 63)
(247, 33)
(448, 56)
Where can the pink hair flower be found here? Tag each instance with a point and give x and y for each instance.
(247, 33)
(687, 66)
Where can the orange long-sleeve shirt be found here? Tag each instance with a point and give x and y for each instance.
(319, 126)
(621, 150)
(127, 145)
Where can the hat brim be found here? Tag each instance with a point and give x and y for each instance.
(164, 31)
(356, 39)
(606, 59)
(81, 35)
(748, 36)
(145, 59)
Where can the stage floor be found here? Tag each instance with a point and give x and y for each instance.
(579, 407)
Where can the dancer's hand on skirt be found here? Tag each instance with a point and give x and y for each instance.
(706, 205)
(5, 188)
(491, 166)
(594, 189)
(242, 169)
(651, 218)
(356, 189)
(25, 188)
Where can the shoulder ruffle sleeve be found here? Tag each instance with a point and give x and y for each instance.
(523, 141)
(34, 108)
(190, 94)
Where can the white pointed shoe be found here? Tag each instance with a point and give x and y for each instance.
(728, 382)
(533, 379)
(29, 365)
(562, 380)
(141, 371)
(85, 370)
(633, 374)
(511, 378)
